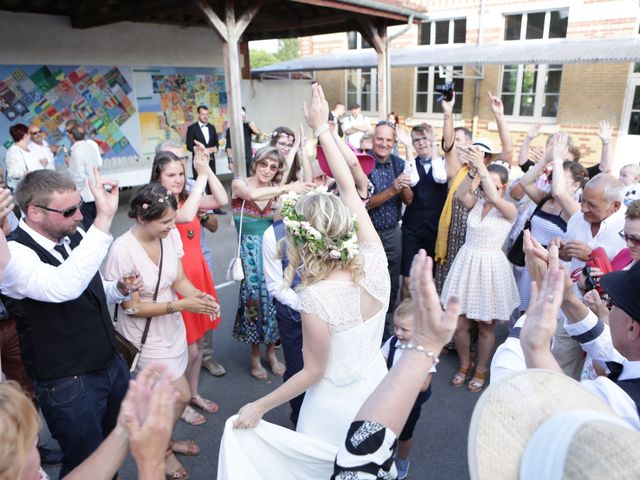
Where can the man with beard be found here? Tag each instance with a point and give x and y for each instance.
(53, 289)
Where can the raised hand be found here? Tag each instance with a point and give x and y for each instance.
(433, 328)
(595, 303)
(560, 146)
(300, 187)
(200, 159)
(534, 131)
(447, 107)
(605, 131)
(6, 203)
(317, 112)
(496, 105)
(403, 137)
(106, 198)
(537, 155)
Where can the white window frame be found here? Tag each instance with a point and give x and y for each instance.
(374, 84)
(432, 71)
(539, 94)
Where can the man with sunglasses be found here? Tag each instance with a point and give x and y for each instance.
(54, 291)
(41, 148)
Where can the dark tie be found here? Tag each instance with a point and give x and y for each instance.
(615, 370)
(61, 250)
(424, 161)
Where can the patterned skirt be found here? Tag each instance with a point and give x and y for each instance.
(256, 317)
(457, 236)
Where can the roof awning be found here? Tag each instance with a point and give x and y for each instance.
(619, 50)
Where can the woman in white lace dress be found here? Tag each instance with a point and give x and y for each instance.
(481, 275)
(344, 293)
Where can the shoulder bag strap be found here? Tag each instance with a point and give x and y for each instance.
(155, 297)
(240, 229)
(527, 225)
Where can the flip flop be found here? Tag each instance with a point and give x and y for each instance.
(190, 416)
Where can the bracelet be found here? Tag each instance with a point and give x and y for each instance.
(321, 129)
(170, 308)
(419, 348)
(204, 219)
(471, 176)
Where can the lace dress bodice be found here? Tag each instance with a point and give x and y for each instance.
(355, 343)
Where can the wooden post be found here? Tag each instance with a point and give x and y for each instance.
(229, 33)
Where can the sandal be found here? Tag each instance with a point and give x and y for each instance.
(477, 382)
(185, 447)
(258, 372)
(205, 404)
(277, 368)
(179, 473)
(190, 416)
(461, 376)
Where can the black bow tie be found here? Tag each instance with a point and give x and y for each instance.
(203, 125)
(615, 370)
(424, 161)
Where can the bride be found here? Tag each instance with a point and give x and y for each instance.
(343, 295)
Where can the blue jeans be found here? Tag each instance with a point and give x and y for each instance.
(81, 410)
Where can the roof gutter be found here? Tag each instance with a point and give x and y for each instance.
(407, 12)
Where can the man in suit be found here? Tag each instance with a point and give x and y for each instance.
(206, 134)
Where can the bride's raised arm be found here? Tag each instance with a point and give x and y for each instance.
(316, 114)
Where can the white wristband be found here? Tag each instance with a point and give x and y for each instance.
(321, 129)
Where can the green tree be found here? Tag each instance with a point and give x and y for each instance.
(288, 48)
(260, 58)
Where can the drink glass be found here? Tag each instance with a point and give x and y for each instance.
(129, 280)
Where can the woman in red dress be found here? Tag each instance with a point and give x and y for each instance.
(169, 170)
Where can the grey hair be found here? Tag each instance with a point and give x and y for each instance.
(612, 188)
(163, 146)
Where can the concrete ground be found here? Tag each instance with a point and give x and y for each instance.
(440, 440)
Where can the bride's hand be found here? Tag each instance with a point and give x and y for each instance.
(249, 416)
(317, 112)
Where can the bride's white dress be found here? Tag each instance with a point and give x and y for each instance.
(354, 369)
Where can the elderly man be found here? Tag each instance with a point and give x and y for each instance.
(598, 224)
(54, 291)
(617, 344)
(39, 146)
(392, 187)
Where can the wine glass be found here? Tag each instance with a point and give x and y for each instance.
(129, 280)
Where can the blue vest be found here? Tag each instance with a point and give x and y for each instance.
(281, 309)
(429, 197)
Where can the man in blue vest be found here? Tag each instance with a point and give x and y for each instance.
(54, 291)
(429, 187)
(287, 304)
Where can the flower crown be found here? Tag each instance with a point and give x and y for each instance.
(344, 248)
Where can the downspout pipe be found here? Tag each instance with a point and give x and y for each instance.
(476, 87)
(387, 47)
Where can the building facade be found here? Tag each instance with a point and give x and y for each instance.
(573, 97)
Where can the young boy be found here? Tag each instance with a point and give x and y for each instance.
(403, 331)
(630, 176)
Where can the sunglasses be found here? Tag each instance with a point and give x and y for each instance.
(66, 213)
(629, 239)
(36, 132)
(273, 167)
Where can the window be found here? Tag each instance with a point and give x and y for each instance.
(362, 82)
(439, 32)
(533, 90)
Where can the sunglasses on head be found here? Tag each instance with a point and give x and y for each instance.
(66, 213)
(385, 123)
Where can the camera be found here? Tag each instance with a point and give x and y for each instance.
(446, 91)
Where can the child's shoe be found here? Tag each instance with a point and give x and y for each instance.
(402, 465)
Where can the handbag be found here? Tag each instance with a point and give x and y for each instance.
(235, 272)
(125, 347)
(516, 252)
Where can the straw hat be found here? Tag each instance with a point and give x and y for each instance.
(539, 424)
(485, 144)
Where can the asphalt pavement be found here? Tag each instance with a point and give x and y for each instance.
(440, 439)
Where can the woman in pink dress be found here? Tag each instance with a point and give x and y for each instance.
(152, 248)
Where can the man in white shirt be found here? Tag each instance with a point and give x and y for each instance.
(617, 344)
(598, 224)
(84, 158)
(41, 149)
(53, 289)
(355, 125)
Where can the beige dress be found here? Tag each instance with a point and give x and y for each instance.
(167, 339)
